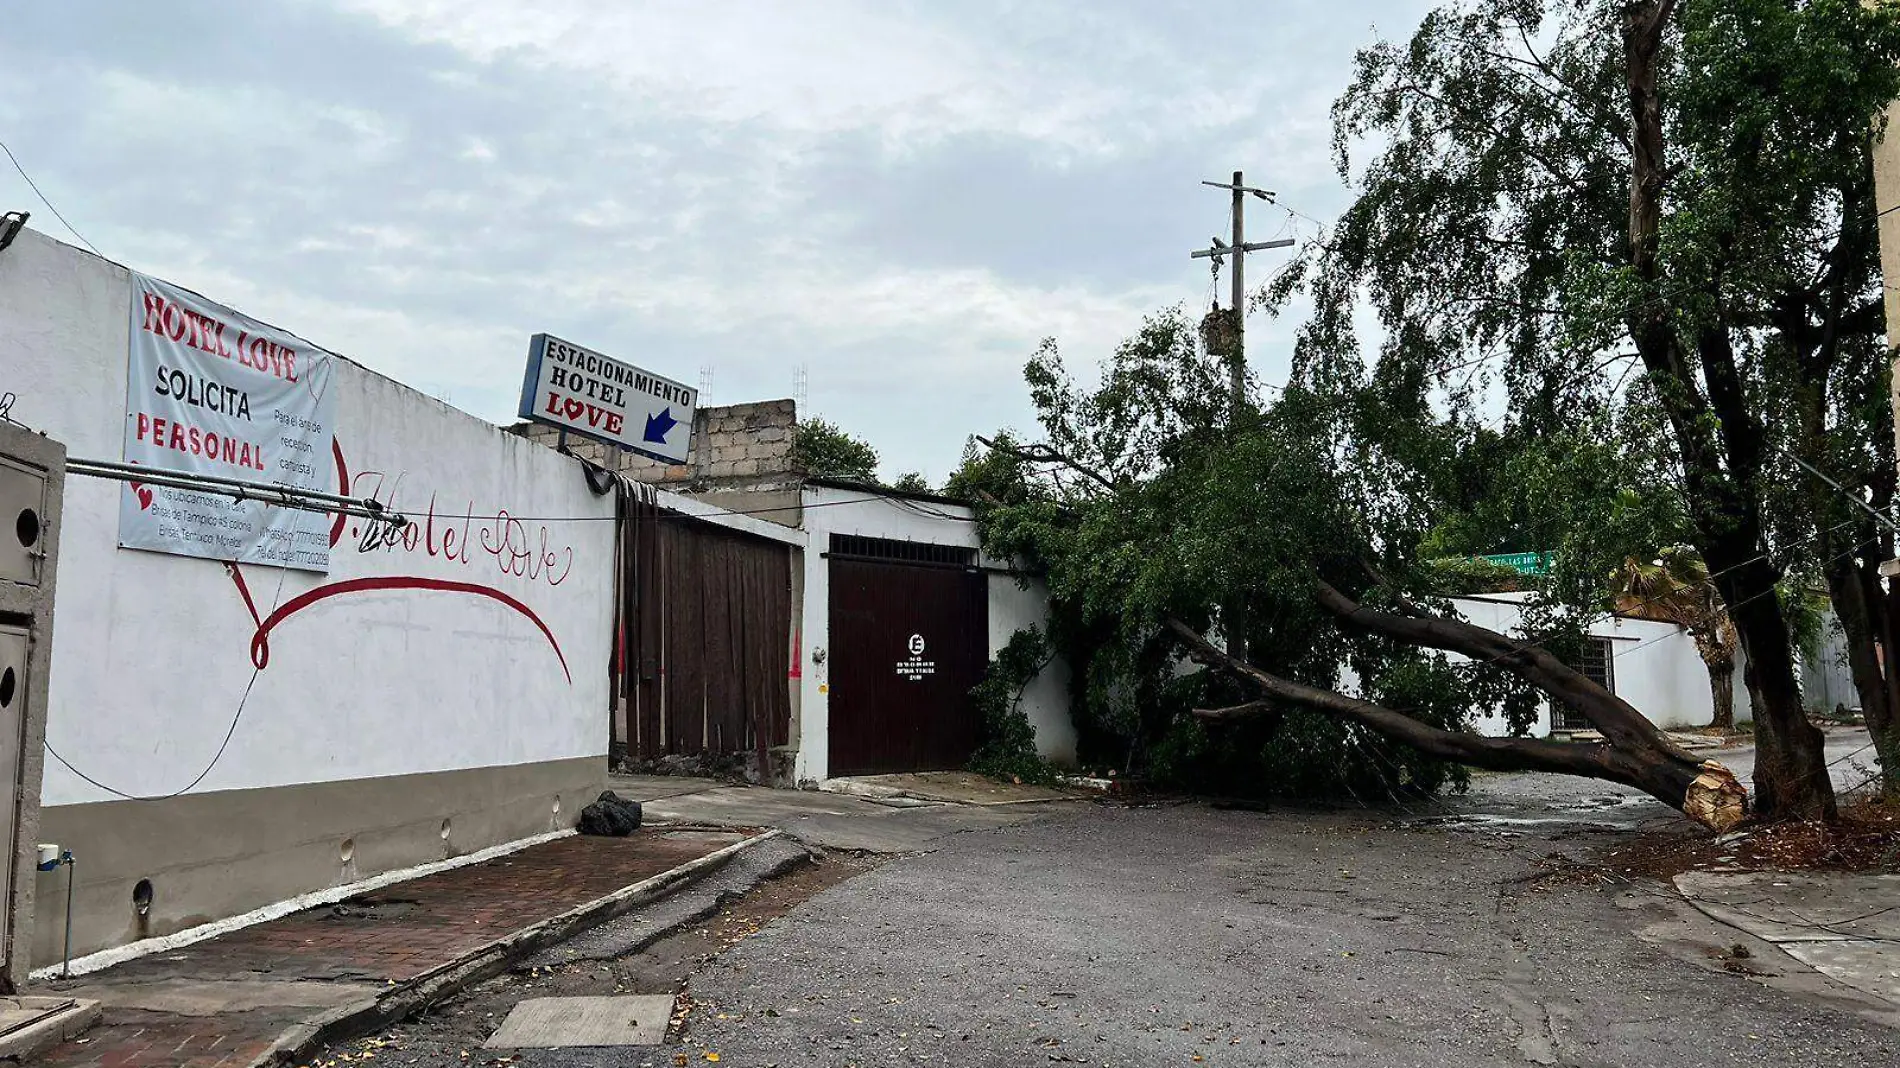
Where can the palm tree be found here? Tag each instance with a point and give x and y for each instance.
(1675, 588)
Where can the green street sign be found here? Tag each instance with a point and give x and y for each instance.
(1523, 563)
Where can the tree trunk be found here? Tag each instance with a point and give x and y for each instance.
(1721, 444)
(1791, 773)
(1861, 619)
(1722, 693)
(1885, 726)
(1621, 723)
(1706, 792)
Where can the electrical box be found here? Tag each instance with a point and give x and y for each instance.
(23, 521)
(32, 489)
(15, 644)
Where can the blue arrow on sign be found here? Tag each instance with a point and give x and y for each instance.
(658, 426)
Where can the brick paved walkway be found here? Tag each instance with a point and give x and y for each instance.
(391, 935)
(149, 1040)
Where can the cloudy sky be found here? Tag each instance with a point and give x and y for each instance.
(902, 197)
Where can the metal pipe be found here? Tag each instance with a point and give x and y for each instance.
(66, 964)
(267, 493)
(100, 466)
(264, 494)
(154, 477)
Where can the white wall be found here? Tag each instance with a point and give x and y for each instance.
(1046, 699)
(1826, 680)
(1655, 666)
(152, 652)
(831, 510)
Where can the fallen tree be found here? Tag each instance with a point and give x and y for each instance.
(1148, 504)
(1634, 752)
(1680, 194)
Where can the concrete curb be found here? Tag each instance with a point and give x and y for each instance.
(414, 995)
(107, 958)
(705, 910)
(24, 1043)
(879, 792)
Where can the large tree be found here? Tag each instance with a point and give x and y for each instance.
(1674, 587)
(1149, 500)
(826, 450)
(1562, 195)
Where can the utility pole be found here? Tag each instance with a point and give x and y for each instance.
(1234, 613)
(1237, 351)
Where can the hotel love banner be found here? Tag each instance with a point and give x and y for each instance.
(213, 392)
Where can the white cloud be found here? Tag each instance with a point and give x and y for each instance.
(259, 124)
(906, 197)
(908, 72)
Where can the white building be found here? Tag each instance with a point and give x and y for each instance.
(222, 736)
(902, 611)
(1654, 666)
(896, 608)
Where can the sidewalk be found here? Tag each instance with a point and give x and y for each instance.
(1847, 927)
(894, 820)
(270, 989)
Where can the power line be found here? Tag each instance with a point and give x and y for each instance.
(49, 204)
(1646, 602)
(243, 701)
(1710, 580)
(670, 514)
(1749, 599)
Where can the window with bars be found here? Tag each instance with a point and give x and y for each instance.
(1597, 664)
(865, 547)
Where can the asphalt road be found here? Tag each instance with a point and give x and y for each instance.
(1190, 936)
(1184, 935)
(1849, 754)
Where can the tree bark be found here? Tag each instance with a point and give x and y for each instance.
(1791, 778)
(1867, 624)
(1705, 792)
(1851, 569)
(1791, 773)
(1622, 725)
(1886, 730)
(1722, 693)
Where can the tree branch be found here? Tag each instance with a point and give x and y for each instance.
(1707, 793)
(1581, 99)
(1044, 454)
(1619, 721)
(1478, 125)
(1497, 754)
(1249, 710)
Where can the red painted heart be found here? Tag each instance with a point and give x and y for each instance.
(573, 409)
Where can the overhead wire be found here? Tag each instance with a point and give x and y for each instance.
(1523, 646)
(31, 184)
(678, 515)
(1607, 321)
(1611, 318)
(229, 732)
(1709, 581)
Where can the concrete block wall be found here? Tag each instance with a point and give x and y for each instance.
(737, 441)
(741, 458)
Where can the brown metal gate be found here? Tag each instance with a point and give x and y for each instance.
(703, 634)
(909, 638)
